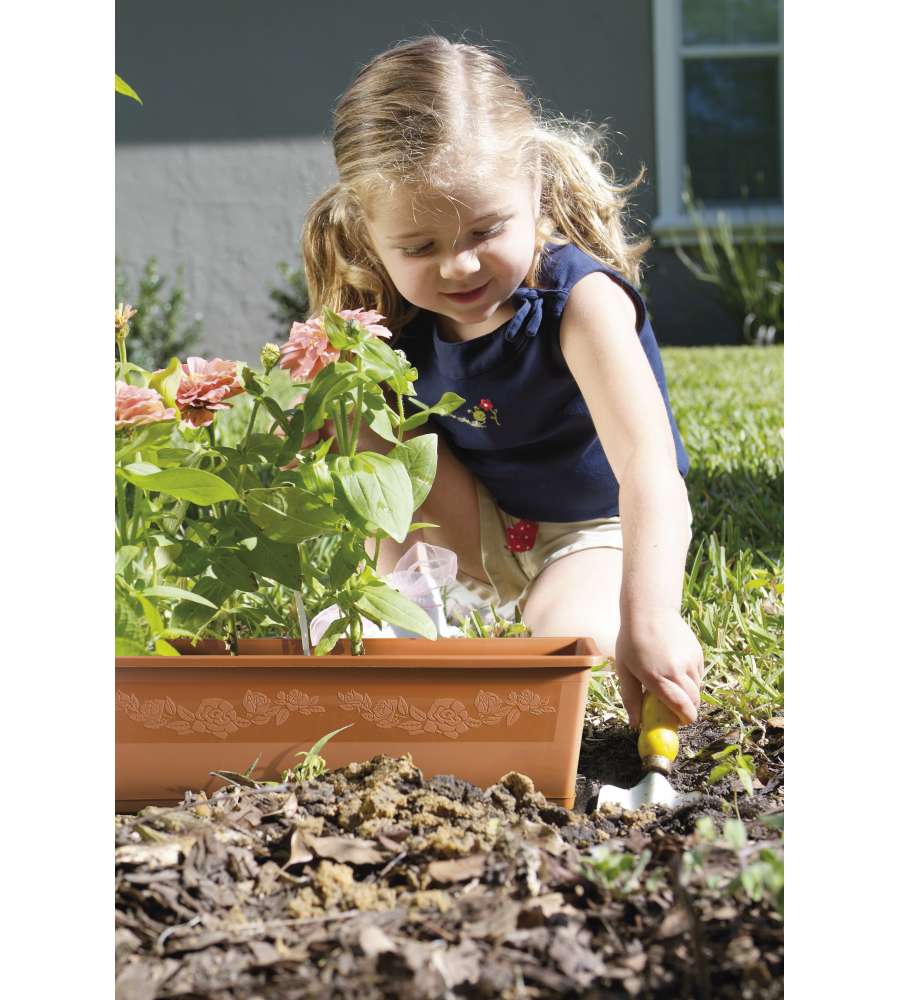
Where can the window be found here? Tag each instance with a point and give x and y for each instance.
(719, 84)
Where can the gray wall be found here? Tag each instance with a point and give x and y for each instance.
(215, 171)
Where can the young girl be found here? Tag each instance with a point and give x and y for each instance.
(492, 242)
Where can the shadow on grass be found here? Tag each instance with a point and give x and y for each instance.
(745, 509)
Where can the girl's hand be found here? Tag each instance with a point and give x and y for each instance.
(658, 652)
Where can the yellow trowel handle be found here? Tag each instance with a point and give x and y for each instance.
(658, 741)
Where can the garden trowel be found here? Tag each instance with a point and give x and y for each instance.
(658, 747)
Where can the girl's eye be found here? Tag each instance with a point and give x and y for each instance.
(415, 252)
(479, 234)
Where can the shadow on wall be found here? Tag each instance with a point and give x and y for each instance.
(684, 311)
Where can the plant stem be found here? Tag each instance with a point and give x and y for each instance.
(123, 359)
(354, 440)
(121, 511)
(341, 427)
(253, 412)
(356, 641)
(399, 396)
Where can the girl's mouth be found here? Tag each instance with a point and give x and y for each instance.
(467, 296)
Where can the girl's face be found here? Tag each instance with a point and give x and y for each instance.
(478, 240)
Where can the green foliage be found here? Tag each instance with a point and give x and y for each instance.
(748, 275)
(312, 763)
(291, 301)
(497, 627)
(123, 88)
(728, 862)
(619, 872)
(158, 332)
(732, 761)
(229, 529)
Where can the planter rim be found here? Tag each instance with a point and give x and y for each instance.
(538, 652)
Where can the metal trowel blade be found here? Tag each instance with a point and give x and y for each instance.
(652, 789)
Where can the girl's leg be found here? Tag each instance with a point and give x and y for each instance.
(578, 595)
(452, 504)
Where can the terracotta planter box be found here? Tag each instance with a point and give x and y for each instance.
(476, 708)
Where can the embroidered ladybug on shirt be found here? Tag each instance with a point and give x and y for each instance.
(479, 415)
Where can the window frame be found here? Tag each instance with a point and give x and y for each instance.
(672, 219)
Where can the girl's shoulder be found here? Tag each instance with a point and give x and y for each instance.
(565, 264)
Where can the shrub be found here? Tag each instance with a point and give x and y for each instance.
(157, 331)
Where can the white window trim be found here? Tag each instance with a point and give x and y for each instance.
(673, 221)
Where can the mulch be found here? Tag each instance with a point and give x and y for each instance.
(371, 881)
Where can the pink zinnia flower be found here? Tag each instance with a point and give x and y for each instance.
(203, 387)
(135, 405)
(368, 319)
(308, 349)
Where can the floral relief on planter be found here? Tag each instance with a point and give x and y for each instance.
(216, 716)
(446, 716)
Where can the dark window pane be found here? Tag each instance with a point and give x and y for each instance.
(728, 22)
(732, 131)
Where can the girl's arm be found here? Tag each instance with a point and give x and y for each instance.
(655, 649)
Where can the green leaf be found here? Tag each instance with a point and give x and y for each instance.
(345, 560)
(775, 821)
(419, 456)
(386, 604)
(177, 593)
(379, 489)
(273, 560)
(124, 556)
(128, 647)
(335, 631)
(166, 382)
(380, 422)
(719, 772)
(416, 420)
(746, 780)
(195, 485)
(449, 402)
(382, 362)
(735, 834)
(164, 648)
(317, 746)
(123, 88)
(265, 446)
(231, 570)
(151, 615)
(192, 616)
(334, 381)
(290, 514)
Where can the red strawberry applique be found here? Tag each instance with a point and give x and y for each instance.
(520, 537)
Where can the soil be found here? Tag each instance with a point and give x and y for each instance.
(371, 881)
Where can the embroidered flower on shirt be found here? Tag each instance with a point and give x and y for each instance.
(478, 416)
(521, 536)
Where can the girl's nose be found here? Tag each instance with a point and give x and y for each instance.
(459, 264)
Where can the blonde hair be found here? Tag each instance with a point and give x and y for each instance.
(427, 114)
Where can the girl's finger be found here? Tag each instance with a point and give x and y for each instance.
(632, 694)
(675, 696)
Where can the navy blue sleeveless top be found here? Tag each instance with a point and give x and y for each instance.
(525, 429)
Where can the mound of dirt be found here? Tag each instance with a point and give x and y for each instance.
(371, 881)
